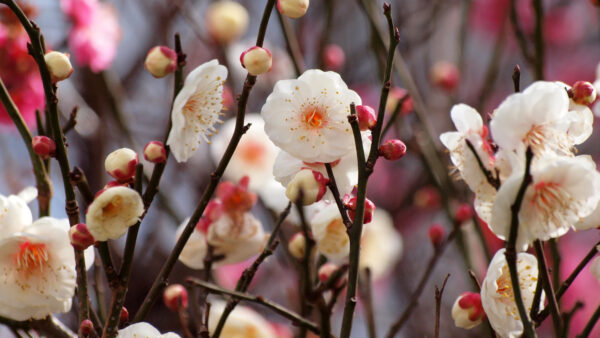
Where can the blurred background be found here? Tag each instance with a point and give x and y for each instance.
(456, 51)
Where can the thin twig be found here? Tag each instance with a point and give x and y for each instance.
(438, 304)
(240, 296)
(590, 324)
(366, 294)
(336, 196)
(567, 318)
(395, 114)
(493, 181)
(71, 122)
(547, 285)
(516, 77)
(538, 65)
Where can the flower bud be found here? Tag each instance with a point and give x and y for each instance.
(86, 327)
(436, 234)
(333, 57)
(583, 92)
(445, 75)
(328, 269)
(467, 310)
(174, 296)
(226, 21)
(463, 213)
(297, 245)
(427, 197)
(350, 204)
(392, 149)
(236, 198)
(124, 316)
(256, 60)
(155, 152)
(80, 236)
(312, 183)
(161, 61)
(58, 65)
(43, 146)
(293, 8)
(121, 163)
(397, 94)
(367, 117)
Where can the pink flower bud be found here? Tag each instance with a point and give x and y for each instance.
(58, 65)
(174, 296)
(161, 61)
(445, 75)
(583, 92)
(334, 57)
(236, 198)
(256, 60)
(43, 146)
(155, 152)
(121, 163)
(436, 234)
(80, 236)
(226, 21)
(293, 8)
(350, 204)
(467, 310)
(463, 213)
(392, 149)
(297, 245)
(396, 94)
(86, 327)
(124, 316)
(325, 272)
(427, 197)
(312, 184)
(367, 117)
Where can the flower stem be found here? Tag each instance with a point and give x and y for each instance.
(547, 285)
(239, 130)
(511, 253)
(336, 196)
(438, 304)
(590, 324)
(365, 290)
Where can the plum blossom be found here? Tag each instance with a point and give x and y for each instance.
(307, 117)
(227, 226)
(563, 191)
(143, 329)
(497, 295)
(196, 109)
(242, 322)
(113, 211)
(330, 234)
(14, 212)
(38, 271)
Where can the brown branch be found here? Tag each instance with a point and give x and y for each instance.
(438, 304)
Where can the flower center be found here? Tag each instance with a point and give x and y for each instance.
(251, 152)
(552, 202)
(544, 137)
(113, 208)
(31, 256)
(314, 118)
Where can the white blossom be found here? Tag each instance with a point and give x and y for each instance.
(497, 295)
(196, 109)
(242, 322)
(113, 212)
(144, 330)
(330, 234)
(307, 117)
(14, 212)
(381, 244)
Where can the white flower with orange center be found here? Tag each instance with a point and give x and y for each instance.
(113, 212)
(563, 191)
(497, 294)
(307, 117)
(37, 271)
(144, 330)
(196, 109)
(381, 245)
(538, 117)
(243, 322)
(330, 234)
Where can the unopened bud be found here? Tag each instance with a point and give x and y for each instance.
(463, 213)
(43, 146)
(445, 75)
(226, 21)
(86, 327)
(312, 184)
(396, 94)
(80, 236)
(350, 204)
(333, 57)
(327, 270)
(121, 163)
(583, 92)
(256, 60)
(367, 117)
(161, 61)
(436, 234)
(175, 296)
(392, 149)
(467, 310)
(297, 245)
(427, 197)
(124, 316)
(155, 152)
(293, 8)
(58, 65)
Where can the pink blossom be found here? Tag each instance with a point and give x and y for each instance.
(80, 11)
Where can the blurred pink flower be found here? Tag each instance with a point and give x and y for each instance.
(228, 275)
(95, 34)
